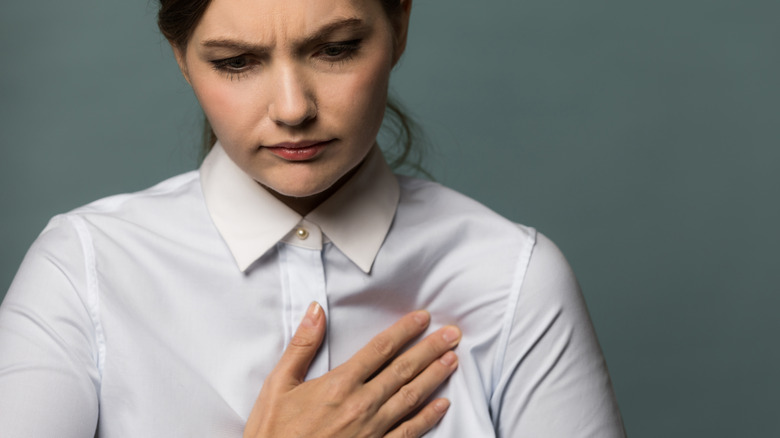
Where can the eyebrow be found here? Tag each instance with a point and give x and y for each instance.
(319, 35)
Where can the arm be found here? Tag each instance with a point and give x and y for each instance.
(49, 377)
(554, 380)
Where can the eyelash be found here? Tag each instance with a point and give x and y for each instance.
(231, 72)
(345, 51)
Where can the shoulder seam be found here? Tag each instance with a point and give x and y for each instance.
(93, 297)
(511, 310)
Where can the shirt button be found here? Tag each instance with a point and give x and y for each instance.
(302, 233)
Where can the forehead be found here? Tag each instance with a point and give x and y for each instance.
(270, 21)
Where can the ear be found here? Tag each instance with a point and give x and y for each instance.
(402, 29)
(178, 52)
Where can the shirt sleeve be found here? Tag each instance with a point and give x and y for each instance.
(554, 378)
(49, 378)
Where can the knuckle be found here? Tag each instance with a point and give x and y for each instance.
(404, 370)
(407, 431)
(300, 341)
(382, 346)
(418, 425)
(409, 396)
(358, 409)
(339, 389)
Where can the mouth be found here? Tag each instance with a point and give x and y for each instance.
(298, 151)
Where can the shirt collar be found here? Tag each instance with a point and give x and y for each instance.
(251, 221)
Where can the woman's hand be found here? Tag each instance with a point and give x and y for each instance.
(364, 397)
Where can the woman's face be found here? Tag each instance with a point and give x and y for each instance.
(295, 90)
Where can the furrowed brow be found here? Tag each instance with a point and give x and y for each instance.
(318, 36)
(239, 46)
(324, 32)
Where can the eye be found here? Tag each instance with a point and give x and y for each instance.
(341, 51)
(233, 67)
(235, 63)
(334, 50)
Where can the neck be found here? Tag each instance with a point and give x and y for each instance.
(305, 204)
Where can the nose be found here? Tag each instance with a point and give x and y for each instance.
(293, 101)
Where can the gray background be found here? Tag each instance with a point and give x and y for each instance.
(642, 137)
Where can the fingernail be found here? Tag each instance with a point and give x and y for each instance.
(422, 317)
(312, 315)
(449, 358)
(451, 334)
(441, 406)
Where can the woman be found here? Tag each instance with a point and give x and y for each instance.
(167, 310)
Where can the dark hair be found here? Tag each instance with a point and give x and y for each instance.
(177, 20)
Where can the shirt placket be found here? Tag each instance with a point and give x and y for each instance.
(303, 281)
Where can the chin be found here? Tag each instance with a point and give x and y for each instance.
(301, 189)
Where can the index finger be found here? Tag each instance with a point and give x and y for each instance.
(385, 345)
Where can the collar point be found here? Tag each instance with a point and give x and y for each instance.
(366, 268)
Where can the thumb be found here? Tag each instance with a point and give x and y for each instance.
(295, 361)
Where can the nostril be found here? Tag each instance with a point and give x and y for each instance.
(293, 113)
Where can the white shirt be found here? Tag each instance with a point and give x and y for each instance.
(160, 313)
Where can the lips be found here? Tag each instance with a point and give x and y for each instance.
(298, 151)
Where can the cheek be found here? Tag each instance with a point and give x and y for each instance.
(361, 100)
(226, 106)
